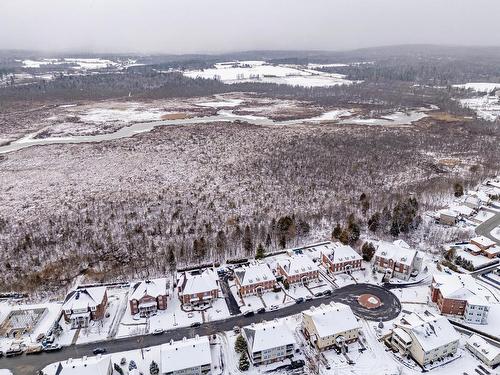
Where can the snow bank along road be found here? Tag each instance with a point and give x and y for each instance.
(390, 309)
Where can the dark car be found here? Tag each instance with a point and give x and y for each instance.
(195, 324)
(327, 292)
(262, 310)
(99, 351)
(299, 300)
(319, 294)
(297, 364)
(248, 313)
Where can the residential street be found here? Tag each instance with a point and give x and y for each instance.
(487, 226)
(24, 365)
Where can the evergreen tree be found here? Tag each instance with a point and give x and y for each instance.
(171, 258)
(374, 222)
(458, 189)
(337, 231)
(244, 364)
(260, 252)
(240, 345)
(368, 250)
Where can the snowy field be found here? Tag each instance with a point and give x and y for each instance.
(486, 107)
(479, 86)
(396, 118)
(260, 71)
(79, 63)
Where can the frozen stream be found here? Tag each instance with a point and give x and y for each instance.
(397, 118)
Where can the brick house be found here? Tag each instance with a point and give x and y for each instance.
(341, 258)
(84, 305)
(149, 296)
(396, 259)
(254, 279)
(486, 246)
(198, 287)
(460, 295)
(297, 269)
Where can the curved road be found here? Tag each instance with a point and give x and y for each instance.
(485, 228)
(24, 364)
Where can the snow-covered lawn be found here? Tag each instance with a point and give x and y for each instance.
(260, 71)
(476, 260)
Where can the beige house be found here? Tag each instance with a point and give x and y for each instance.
(425, 337)
(482, 349)
(329, 326)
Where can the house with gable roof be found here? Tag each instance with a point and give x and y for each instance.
(83, 305)
(396, 259)
(148, 296)
(297, 269)
(254, 279)
(338, 258)
(198, 287)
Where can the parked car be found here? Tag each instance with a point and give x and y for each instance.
(297, 364)
(40, 337)
(99, 351)
(274, 307)
(319, 294)
(158, 331)
(299, 300)
(248, 313)
(262, 310)
(34, 349)
(308, 298)
(13, 351)
(195, 324)
(327, 292)
(52, 348)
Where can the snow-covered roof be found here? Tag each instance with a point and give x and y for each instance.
(153, 288)
(463, 210)
(184, 354)
(402, 334)
(448, 212)
(343, 253)
(480, 345)
(472, 200)
(332, 319)
(483, 241)
(98, 365)
(297, 264)
(399, 251)
(255, 273)
(268, 335)
(84, 298)
(494, 250)
(481, 195)
(194, 283)
(431, 331)
(459, 287)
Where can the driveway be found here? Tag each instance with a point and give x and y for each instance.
(487, 226)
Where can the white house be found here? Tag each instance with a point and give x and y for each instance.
(269, 342)
(425, 337)
(332, 325)
(488, 353)
(255, 279)
(99, 365)
(396, 259)
(186, 357)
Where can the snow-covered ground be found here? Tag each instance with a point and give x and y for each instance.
(479, 86)
(260, 71)
(78, 63)
(396, 118)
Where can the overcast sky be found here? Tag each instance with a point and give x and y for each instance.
(184, 26)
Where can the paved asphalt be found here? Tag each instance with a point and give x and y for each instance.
(24, 364)
(485, 228)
